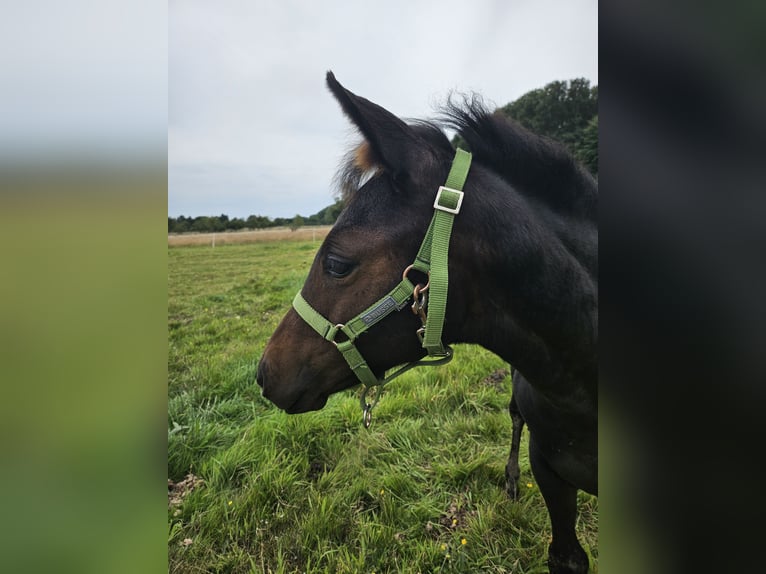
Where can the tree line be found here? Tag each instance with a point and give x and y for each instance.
(219, 223)
(566, 111)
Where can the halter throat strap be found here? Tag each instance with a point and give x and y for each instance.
(432, 259)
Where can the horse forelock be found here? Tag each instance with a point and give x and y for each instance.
(358, 166)
(360, 163)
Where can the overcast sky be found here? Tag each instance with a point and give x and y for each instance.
(252, 128)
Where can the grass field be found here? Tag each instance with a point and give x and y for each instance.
(252, 489)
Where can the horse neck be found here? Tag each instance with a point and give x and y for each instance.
(523, 284)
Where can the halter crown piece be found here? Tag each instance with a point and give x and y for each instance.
(432, 259)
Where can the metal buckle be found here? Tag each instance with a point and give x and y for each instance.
(440, 207)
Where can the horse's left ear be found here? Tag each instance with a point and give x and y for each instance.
(392, 142)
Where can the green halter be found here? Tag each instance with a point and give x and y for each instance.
(431, 259)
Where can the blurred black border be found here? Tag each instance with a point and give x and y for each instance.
(682, 235)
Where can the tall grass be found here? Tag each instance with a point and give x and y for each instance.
(420, 491)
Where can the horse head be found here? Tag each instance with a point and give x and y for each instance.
(364, 256)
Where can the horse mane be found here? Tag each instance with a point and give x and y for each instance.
(535, 165)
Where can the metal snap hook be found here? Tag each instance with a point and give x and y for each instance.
(367, 416)
(367, 407)
(419, 303)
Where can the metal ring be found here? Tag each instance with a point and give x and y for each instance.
(409, 268)
(338, 327)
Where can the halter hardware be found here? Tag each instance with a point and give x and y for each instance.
(429, 300)
(445, 206)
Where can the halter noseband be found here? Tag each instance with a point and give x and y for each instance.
(432, 260)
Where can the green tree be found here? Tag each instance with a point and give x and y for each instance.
(565, 112)
(236, 223)
(329, 214)
(257, 222)
(219, 223)
(202, 224)
(560, 110)
(296, 223)
(586, 150)
(179, 225)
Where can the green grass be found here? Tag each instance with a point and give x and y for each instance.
(317, 492)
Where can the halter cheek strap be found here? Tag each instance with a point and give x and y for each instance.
(432, 259)
(433, 256)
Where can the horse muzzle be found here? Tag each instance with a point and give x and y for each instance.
(294, 397)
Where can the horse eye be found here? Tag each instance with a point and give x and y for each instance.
(337, 267)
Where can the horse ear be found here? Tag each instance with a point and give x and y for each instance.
(391, 141)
